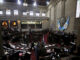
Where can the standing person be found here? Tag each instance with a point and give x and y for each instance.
(29, 30)
(30, 34)
(32, 45)
(37, 52)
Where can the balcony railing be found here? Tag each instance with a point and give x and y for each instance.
(22, 18)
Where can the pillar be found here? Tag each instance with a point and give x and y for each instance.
(1, 49)
(63, 8)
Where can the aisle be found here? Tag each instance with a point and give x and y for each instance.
(33, 57)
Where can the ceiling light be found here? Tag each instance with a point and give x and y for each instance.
(34, 4)
(1, 1)
(25, 4)
(19, 2)
(47, 2)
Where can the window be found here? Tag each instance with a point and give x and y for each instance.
(8, 12)
(24, 13)
(78, 9)
(15, 12)
(1, 12)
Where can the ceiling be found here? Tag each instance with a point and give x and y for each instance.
(39, 2)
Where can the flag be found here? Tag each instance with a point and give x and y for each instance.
(66, 23)
(59, 27)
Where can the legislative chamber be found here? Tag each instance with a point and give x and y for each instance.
(39, 29)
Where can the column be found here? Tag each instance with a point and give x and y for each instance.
(19, 25)
(63, 8)
(1, 49)
(55, 15)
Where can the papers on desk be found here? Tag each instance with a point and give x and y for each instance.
(29, 52)
(73, 43)
(53, 58)
(22, 48)
(27, 48)
(50, 45)
(17, 47)
(6, 53)
(53, 44)
(49, 51)
(23, 44)
(65, 49)
(13, 46)
(46, 46)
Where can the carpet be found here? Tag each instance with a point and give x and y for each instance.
(33, 57)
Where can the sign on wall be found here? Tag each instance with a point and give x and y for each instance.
(4, 24)
(13, 23)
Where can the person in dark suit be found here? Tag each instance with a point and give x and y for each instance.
(37, 51)
(32, 45)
